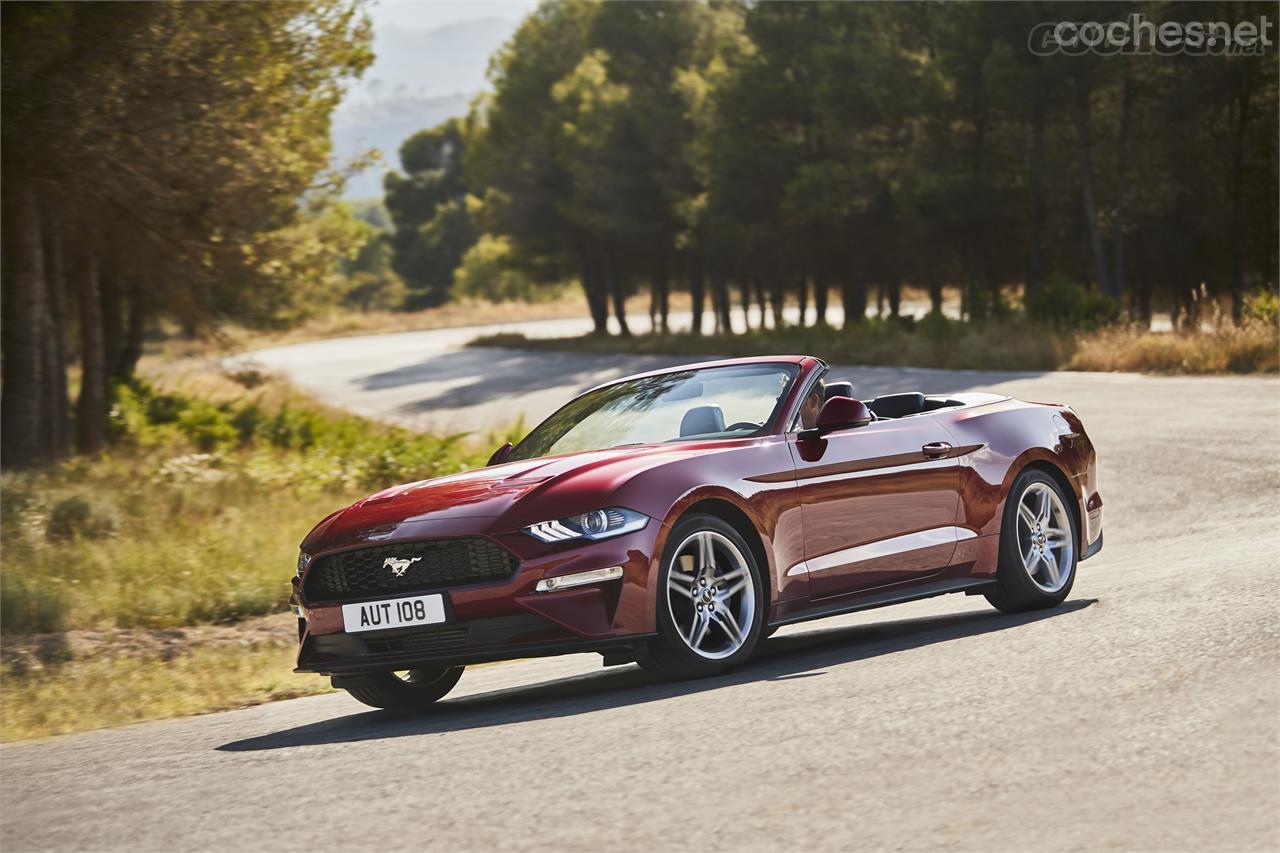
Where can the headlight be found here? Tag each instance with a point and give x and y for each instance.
(303, 560)
(597, 524)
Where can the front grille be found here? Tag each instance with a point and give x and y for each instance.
(439, 563)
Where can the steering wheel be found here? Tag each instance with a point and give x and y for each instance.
(742, 425)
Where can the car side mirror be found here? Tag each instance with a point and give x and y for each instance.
(500, 455)
(838, 413)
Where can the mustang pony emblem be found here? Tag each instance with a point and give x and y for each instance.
(399, 566)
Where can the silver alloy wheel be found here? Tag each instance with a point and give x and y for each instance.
(710, 595)
(1044, 538)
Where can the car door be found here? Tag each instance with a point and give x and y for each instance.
(879, 504)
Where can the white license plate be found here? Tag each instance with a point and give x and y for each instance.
(392, 613)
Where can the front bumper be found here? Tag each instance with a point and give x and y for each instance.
(502, 620)
(479, 641)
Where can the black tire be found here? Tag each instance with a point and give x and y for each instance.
(1014, 590)
(420, 689)
(668, 655)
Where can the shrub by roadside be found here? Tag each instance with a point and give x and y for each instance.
(195, 513)
(192, 517)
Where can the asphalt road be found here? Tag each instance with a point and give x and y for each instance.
(1142, 715)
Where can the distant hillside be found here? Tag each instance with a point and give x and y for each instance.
(417, 80)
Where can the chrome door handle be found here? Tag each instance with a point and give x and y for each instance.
(936, 450)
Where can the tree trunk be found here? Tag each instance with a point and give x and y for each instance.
(777, 298)
(24, 437)
(853, 297)
(1085, 162)
(745, 287)
(1237, 189)
(112, 317)
(91, 408)
(894, 289)
(615, 294)
(802, 294)
(134, 333)
(1035, 263)
(663, 282)
(935, 293)
(721, 302)
(1122, 177)
(653, 304)
(594, 290)
(697, 289)
(819, 299)
(58, 405)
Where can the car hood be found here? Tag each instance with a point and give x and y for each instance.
(508, 496)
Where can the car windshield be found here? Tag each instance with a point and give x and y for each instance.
(716, 402)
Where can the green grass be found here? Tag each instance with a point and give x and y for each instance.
(196, 512)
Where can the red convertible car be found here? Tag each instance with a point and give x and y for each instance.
(675, 518)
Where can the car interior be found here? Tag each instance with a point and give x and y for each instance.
(891, 406)
(708, 420)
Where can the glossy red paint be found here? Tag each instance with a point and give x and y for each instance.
(849, 518)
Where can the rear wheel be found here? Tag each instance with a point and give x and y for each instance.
(711, 601)
(1037, 546)
(408, 689)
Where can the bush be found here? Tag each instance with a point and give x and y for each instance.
(196, 512)
(1263, 306)
(75, 517)
(486, 272)
(1067, 305)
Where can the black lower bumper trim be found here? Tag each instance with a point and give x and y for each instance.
(1093, 548)
(455, 644)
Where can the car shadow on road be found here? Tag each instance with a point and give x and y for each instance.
(475, 376)
(779, 659)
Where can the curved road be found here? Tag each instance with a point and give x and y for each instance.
(1144, 714)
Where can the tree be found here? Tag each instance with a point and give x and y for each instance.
(433, 229)
(158, 154)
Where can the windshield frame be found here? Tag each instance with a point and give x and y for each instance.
(782, 407)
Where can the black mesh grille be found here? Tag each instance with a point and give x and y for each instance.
(433, 564)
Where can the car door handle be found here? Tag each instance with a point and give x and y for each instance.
(936, 449)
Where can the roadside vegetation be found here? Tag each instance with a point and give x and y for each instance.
(73, 687)
(1199, 345)
(191, 516)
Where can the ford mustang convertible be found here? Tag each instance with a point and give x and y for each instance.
(676, 518)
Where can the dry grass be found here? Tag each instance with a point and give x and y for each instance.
(337, 323)
(110, 689)
(1252, 347)
(195, 513)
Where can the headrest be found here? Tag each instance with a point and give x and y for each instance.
(702, 420)
(839, 389)
(898, 405)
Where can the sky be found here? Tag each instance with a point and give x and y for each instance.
(430, 61)
(432, 14)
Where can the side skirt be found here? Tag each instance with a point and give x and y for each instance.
(852, 604)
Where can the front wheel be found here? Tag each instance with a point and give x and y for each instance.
(411, 689)
(1037, 546)
(711, 601)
